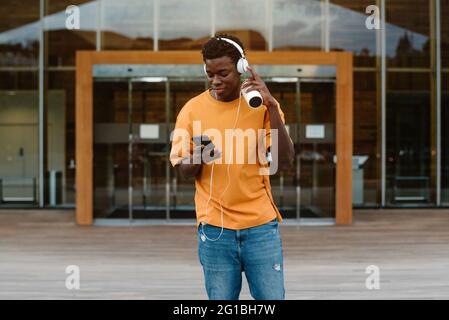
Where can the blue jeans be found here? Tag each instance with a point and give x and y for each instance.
(257, 251)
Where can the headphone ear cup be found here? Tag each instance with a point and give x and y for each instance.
(242, 64)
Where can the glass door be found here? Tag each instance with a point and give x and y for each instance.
(285, 184)
(110, 160)
(131, 141)
(135, 114)
(316, 153)
(148, 148)
(133, 119)
(307, 190)
(182, 204)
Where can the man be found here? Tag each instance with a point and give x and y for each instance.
(236, 215)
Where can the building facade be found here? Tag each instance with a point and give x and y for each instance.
(401, 98)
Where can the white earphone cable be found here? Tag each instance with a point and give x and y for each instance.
(227, 185)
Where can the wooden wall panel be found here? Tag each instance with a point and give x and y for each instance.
(84, 139)
(344, 138)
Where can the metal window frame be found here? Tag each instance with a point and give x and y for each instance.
(156, 7)
(212, 18)
(438, 100)
(325, 31)
(99, 17)
(383, 93)
(41, 104)
(269, 23)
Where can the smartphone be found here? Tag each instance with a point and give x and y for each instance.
(205, 140)
(198, 140)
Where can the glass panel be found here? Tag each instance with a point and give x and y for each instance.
(284, 184)
(317, 175)
(444, 17)
(310, 185)
(149, 150)
(110, 103)
(62, 43)
(19, 152)
(127, 25)
(183, 190)
(445, 139)
(181, 31)
(366, 174)
(297, 25)
(19, 33)
(408, 33)
(60, 138)
(348, 30)
(408, 124)
(244, 19)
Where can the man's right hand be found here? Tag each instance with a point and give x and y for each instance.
(209, 153)
(190, 167)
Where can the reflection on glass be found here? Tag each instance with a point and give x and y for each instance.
(409, 178)
(445, 138)
(307, 190)
(182, 200)
(60, 138)
(444, 18)
(244, 19)
(149, 152)
(284, 184)
(348, 30)
(62, 42)
(127, 25)
(111, 181)
(19, 152)
(181, 31)
(408, 33)
(56, 6)
(366, 176)
(317, 176)
(140, 165)
(19, 33)
(297, 25)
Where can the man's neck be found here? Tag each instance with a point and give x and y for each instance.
(214, 95)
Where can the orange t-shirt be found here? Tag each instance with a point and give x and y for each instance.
(247, 201)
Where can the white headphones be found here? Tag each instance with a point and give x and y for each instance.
(242, 64)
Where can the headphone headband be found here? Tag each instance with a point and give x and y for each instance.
(235, 44)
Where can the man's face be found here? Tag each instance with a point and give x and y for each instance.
(223, 78)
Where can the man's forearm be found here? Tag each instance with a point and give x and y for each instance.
(286, 151)
(188, 170)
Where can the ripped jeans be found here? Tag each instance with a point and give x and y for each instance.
(257, 251)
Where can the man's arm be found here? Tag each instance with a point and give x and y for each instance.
(188, 170)
(191, 167)
(286, 150)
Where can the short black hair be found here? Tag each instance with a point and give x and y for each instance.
(215, 48)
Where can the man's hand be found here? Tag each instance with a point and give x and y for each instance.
(255, 82)
(285, 155)
(205, 154)
(190, 167)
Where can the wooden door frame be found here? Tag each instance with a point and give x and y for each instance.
(84, 113)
